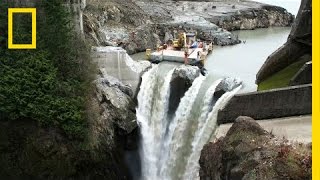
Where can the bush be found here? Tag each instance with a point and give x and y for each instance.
(49, 84)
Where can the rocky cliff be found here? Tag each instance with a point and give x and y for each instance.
(249, 152)
(33, 152)
(299, 44)
(140, 24)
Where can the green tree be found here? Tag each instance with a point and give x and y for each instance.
(49, 84)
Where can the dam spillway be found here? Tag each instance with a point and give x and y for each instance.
(171, 141)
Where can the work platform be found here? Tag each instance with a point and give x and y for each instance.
(176, 56)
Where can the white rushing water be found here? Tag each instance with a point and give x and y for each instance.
(204, 133)
(171, 145)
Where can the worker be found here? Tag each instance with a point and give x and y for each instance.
(194, 44)
(202, 57)
(186, 56)
(210, 47)
(200, 45)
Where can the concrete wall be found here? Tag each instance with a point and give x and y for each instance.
(113, 60)
(291, 101)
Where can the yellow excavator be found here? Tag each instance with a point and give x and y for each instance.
(181, 42)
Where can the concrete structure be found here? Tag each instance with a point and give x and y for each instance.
(298, 128)
(284, 102)
(115, 62)
(176, 56)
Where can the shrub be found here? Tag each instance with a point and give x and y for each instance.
(49, 84)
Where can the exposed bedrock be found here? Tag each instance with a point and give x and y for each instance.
(27, 150)
(299, 44)
(303, 76)
(182, 79)
(249, 152)
(142, 24)
(226, 85)
(261, 17)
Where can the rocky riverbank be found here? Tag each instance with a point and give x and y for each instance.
(249, 152)
(28, 150)
(141, 24)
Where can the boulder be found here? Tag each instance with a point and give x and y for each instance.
(182, 79)
(115, 102)
(113, 82)
(249, 152)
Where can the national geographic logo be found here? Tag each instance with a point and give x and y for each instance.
(33, 13)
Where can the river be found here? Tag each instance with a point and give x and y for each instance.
(244, 60)
(171, 142)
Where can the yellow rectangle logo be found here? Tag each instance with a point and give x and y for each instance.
(33, 12)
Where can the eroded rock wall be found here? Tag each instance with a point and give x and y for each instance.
(141, 24)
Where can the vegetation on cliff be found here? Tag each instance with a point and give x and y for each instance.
(281, 78)
(48, 84)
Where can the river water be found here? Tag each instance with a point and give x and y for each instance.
(171, 143)
(244, 60)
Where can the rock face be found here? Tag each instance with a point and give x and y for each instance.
(181, 81)
(303, 76)
(261, 17)
(248, 152)
(141, 24)
(27, 150)
(299, 44)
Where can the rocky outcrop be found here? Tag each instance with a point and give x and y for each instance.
(259, 17)
(299, 44)
(182, 79)
(227, 84)
(303, 76)
(27, 150)
(139, 25)
(116, 103)
(249, 152)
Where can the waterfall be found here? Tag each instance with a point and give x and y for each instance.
(204, 133)
(174, 139)
(152, 111)
(171, 146)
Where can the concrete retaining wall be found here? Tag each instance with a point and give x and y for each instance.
(284, 102)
